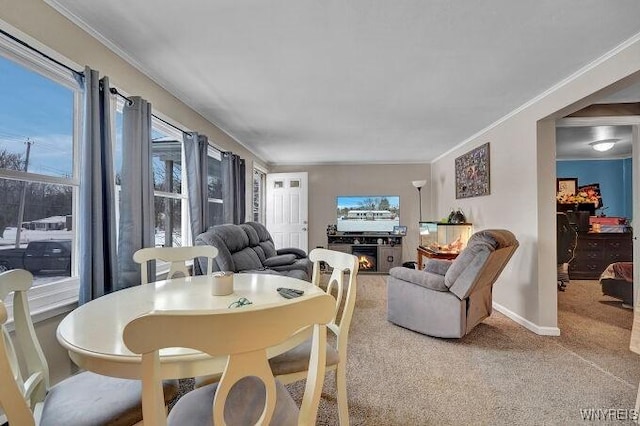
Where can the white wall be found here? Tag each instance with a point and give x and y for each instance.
(522, 199)
(326, 182)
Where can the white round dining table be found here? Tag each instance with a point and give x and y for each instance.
(92, 333)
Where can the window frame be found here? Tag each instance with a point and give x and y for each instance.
(262, 207)
(51, 299)
(185, 222)
(216, 154)
(117, 106)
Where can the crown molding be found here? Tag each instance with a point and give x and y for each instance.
(75, 19)
(621, 47)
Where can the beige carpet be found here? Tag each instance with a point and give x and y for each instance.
(500, 374)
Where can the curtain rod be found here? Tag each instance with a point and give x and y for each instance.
(115, 91)
(39, 52)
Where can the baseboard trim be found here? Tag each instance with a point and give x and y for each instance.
(543, 331)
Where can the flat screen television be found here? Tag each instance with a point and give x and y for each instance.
(369, 213)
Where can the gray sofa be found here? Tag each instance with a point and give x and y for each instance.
(249, 248)
(449, 298)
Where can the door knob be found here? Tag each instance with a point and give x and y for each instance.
(304, 229)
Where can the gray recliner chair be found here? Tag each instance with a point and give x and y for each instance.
(449, 298)
(262, 243)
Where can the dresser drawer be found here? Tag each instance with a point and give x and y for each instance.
(589, 244)
(594, 252)
(590, 255)
(617, 256)
(587, 266)
(618, 245)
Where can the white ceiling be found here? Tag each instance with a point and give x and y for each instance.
(308, 81)
(572, 143)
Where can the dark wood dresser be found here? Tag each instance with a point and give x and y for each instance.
(596, 250)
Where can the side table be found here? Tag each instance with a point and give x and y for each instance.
(430, 254)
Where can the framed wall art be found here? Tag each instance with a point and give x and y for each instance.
(567, 186)
(472, 173)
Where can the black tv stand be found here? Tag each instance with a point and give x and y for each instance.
(370, 233)
(385, 248)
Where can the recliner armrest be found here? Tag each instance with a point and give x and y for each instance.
(421, 278)
(300, 254)
(283, 259)
(437, 266)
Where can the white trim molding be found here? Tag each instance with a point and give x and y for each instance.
(621, 47)
(620, 120)
(153, 76)
(543, 331)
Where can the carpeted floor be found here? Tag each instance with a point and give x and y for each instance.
(499, 374)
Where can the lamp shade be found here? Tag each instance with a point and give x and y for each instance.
(604, 144)
(419, 183)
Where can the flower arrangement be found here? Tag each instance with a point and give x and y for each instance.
(588, 195)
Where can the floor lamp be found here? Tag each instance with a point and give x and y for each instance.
(419, 184)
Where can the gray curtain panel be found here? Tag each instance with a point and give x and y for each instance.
(137, 224)
(96, 221)
(195, 149)
(233, 188)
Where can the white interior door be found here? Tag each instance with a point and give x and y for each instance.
(287, 209)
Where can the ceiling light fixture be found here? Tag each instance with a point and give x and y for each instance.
(604, 144)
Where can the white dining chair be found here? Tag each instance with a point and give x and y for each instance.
(83, 399)
(291, 366)
(247, 393)
(176, 256)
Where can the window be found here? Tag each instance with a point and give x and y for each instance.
(170, 195)
(169, 180)
(214, 186)
(39, 127)
(40, 121)
(258, 200)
